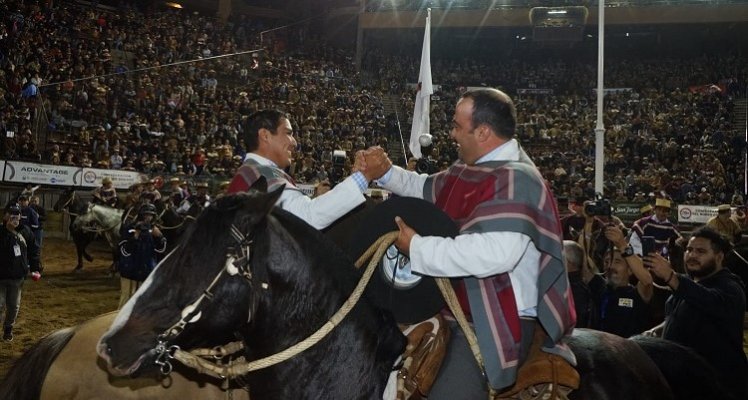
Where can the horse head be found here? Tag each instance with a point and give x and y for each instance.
(65, 200)
(170, 307)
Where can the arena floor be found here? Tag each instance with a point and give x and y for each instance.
(63, 298)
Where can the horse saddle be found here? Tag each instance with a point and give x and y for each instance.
(427, 346)
(542, 375)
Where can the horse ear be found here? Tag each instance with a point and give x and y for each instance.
(266, 202)
(260, 185)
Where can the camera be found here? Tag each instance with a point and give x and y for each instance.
(599, 207)
(338, 166)
(426, 164)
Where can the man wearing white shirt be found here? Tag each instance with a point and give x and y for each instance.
(268, 135)
(509, 229)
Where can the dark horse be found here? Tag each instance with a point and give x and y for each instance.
(298, 280)
(75, 206)
(307, 279)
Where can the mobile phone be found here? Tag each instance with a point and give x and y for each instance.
(648, 245)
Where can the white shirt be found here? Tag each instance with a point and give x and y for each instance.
(320, 211)
(474, 254)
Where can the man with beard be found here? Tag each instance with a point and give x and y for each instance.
(706, 312)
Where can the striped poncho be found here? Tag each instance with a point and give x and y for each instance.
(508, 196)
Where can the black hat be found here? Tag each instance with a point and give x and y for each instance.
(13, 209)
(411, 298)
(22, 197)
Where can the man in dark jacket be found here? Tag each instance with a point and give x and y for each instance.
(140, 250)
(707, 309)
(18, 256)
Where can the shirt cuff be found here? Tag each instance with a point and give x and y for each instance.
(385, 178)
(361, 181)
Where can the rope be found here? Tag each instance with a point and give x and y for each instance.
(179, 225)
(241, 368)
(454, 305)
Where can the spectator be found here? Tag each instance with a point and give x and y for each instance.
(657, 226)
(724, 224)
(623, 307)
(140, 250)
(706, 311)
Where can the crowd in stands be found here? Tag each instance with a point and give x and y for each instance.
(660, 136)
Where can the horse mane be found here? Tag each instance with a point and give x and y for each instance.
(26, 377)
(689, 375)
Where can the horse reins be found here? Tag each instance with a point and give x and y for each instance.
(198, 358)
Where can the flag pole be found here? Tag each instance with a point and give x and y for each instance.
(600, 128)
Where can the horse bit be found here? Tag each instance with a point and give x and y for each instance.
(237, 263)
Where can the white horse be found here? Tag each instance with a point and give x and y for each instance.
(102, 220)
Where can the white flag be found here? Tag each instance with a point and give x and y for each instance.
(423, 97)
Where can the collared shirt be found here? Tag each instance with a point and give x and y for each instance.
(475, 254)
(323, 210)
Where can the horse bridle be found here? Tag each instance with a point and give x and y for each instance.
(237, 263)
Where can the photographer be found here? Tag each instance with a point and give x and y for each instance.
(140, 250)
(622, 308)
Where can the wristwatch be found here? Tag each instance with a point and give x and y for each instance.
(627, 252)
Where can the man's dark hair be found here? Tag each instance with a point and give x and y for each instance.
(719, 242)
(495, 109)
(265, 119)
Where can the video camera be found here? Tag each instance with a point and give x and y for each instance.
(426, 164)
(338, 166)
(598, 207)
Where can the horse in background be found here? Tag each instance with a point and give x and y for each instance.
(100, 219)
(70, 202)
(174, 225)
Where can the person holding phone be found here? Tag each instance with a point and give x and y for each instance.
(706, 310)
(622, 308)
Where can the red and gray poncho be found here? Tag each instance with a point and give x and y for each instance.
(498, 196)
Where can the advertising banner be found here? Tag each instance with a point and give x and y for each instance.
(120, 179)
(25, 172)
(695, 214)
(627, 211)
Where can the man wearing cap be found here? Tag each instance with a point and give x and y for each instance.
(29, 216)
(105, 194)
(725, 225)
(657, 226)
(140, 249)
(508, 257)
(19, 255)
(268, 135)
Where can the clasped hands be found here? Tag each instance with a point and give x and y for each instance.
(374, 163)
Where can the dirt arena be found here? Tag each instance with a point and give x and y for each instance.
(61, 298)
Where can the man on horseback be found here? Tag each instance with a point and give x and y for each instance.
(105, 194)
(269, 138)
(707, 313)
(509, 250)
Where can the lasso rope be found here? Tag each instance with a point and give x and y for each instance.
(194, 360)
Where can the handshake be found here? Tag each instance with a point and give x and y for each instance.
(372, 162)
